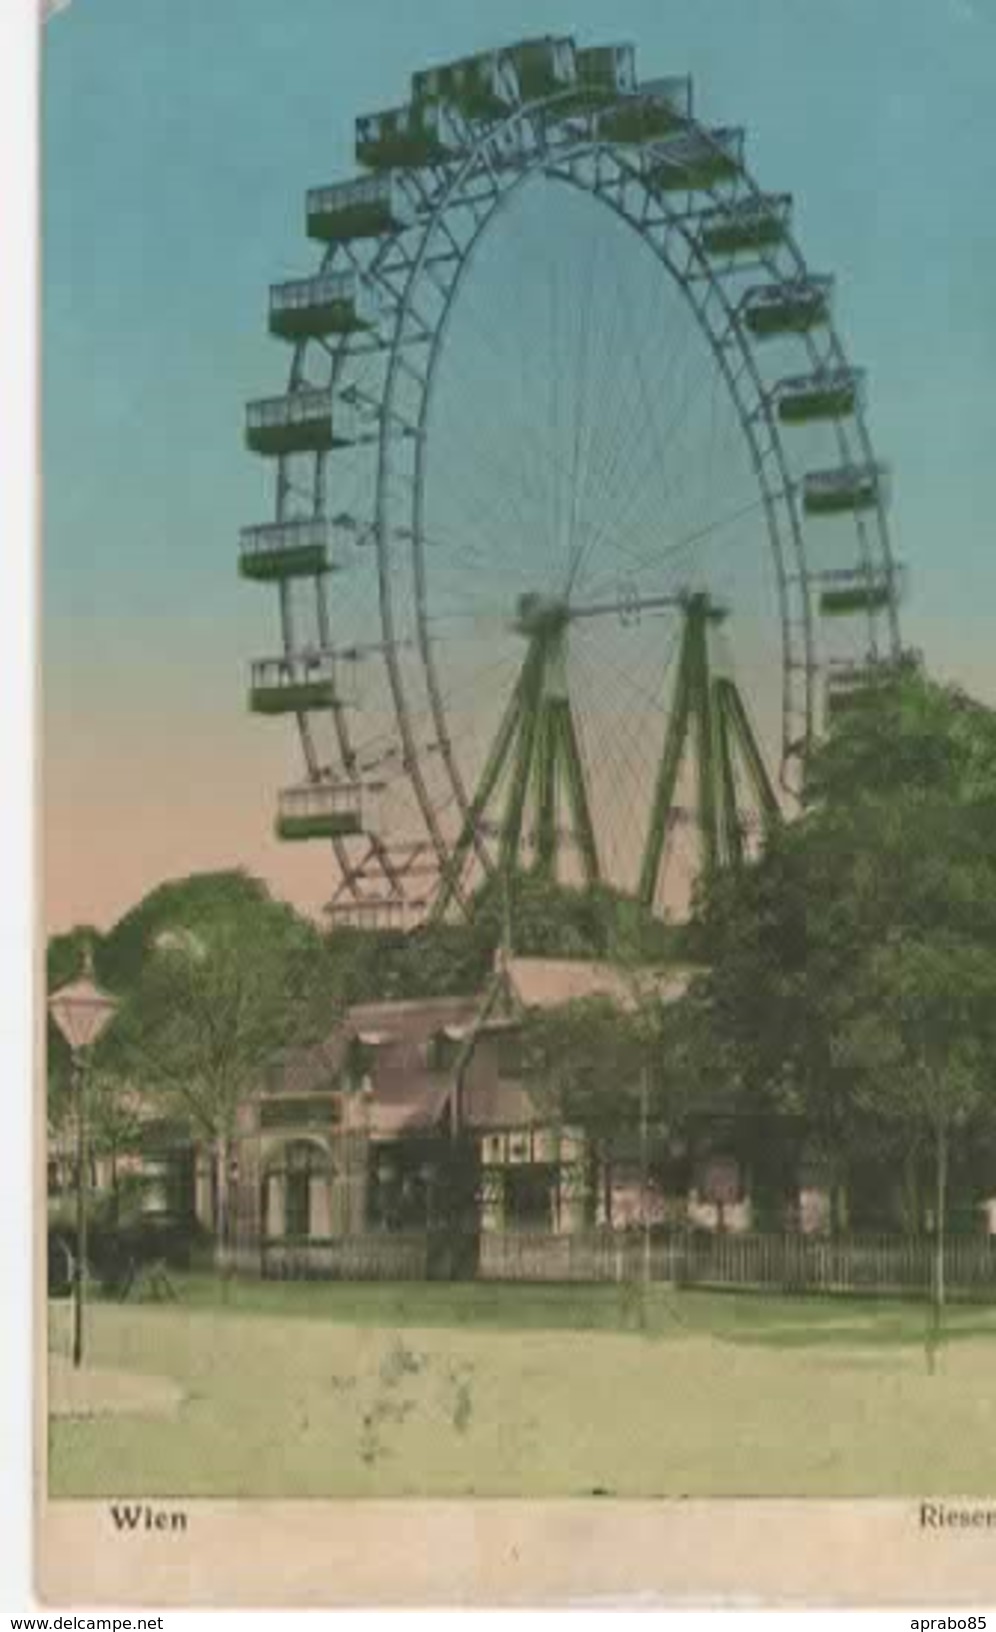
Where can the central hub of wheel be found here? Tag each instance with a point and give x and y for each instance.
(540, 615)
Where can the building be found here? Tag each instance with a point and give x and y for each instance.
(411, 1135)
(413, 1142)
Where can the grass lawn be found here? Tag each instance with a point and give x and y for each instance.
(335, 1389)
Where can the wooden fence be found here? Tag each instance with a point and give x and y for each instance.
(595, 1255)
(790, 1263)
(350, 1258)
(786, 1263)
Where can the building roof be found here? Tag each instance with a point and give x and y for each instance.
(420, 1016)
(494, 1102)
(410, 1088)
(546, 983)
(408, 1093)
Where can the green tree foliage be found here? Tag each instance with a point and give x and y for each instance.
(852, 971)
(547, 919)
(214, 978)
(114, 1124)
(437, 960)
(583, 1062)
(213, 1004)
(541, 918)
(201, 902)
(597, 1065)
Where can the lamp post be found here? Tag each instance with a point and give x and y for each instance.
(81, 1011)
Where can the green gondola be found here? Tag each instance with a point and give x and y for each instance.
(792, 308)
(480, 86)
(292, 698)
(739, 230)
(365, 208)
(310, 308)
(845, 600)
(846, 491)
(298, 423)
(697, 164)
(283, 550)
(642, 119)
(405, 138)
(833, 396)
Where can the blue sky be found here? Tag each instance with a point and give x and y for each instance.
(179, 138)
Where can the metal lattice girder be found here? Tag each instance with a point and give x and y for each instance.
(577, 789)
(532, 695)
(667, 776)
(704, 726)
(733, 852)
(545, 778)
(538, 740)
(708, 717)
(488, 782)
(743, 733)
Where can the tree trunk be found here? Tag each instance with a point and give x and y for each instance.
(645, 1171)
(221, 1201)
(838, 1205)
(115, 1189)
(911, 1208)
(940, 1227)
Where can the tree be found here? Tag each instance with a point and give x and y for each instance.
(115, 1123)
(923, 1037)
(211, 1007)
(583, 1061)
(195, 904)
(608, 1070)
(549, 919)
(850, 971)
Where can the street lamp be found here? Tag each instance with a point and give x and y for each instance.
(81, 1011)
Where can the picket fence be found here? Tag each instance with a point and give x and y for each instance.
(350, 1258)
(789, 1263)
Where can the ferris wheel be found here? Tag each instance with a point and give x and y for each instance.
(579, 535)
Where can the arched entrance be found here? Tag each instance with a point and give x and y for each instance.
(297, 1184)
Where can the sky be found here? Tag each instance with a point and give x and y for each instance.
(178, 141)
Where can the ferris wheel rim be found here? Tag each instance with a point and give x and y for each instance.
(477, 160)
(540, 163)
